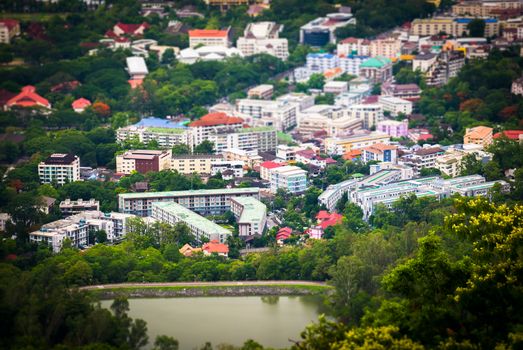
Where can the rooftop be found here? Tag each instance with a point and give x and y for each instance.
(208, 33)
(217, 118)
(246, 190)
(253, 209)
(376, 62)
(61, 158)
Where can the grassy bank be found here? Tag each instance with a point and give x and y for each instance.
(32, 17)
(206, 291)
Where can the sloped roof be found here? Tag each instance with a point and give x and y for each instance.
(478, 132)
(81, 103)
(511, 134)
(215, 247)
(131, 28)
(376, 62)
(217, 118)
(271, 165)
(28, 98)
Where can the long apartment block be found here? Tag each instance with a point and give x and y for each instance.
(204, 202)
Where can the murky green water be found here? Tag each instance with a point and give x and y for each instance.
(271, 321)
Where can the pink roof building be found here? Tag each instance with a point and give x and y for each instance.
(266, 167)
(80, 105)
(283, 234)
(28, 98)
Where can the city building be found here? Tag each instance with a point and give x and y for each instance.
(267, 167)
(332, 195)
(350, 64)
(422, 158)
(188, 251)
(324, 219)
(136, 68)
(376, 69)
(303, 100)
(369, 114)
(340, 146)
(424, 61)
(27, 98)
(393, 128)
(409, 92)
(229, 169)
(9, 28)
(80, 105)
(279, 114)
(479, 135)
(143, 161)
(209, 37)
(353, 46)
(517, 87)
(447, 66)
(263, 37)
(205, 202)
(263, 92)
(194, 163)
(321, 31)
(262, 138)
(166, 132)
(516, 135)
(127, 30)
(395, 105)
(69, 207)
(207, 53)
(380, 152)
(320, 62)
(201, 228)
(59, 168)
(227, 4)
(76, 228)
(293, 179)
(385, 47)
(456, 27)
(251, 216)
(336, 87)
(250, 158)
(211, 124)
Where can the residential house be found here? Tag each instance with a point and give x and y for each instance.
(479, 135)
(80, 105)
(215, 247)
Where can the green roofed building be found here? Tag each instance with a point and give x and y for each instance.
(376, 69)
(201, 228)
(251, 215)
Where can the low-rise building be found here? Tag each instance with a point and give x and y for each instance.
(250, 158)
(409, 92)
(336, 87)
(278, 114)
(27, 98)
(143, 161)
(332, 195)
(9, 28)
(376, 69)
(205, 202)
(321, 31)
(229, 169)
(263, 92)
(263, 37)
(380, 152)
(76, 228)
(351, 64)
(194, 163)
(267, 167)
(69, 207)
(353, 46)
(340, 146)
(422, 158)
(394, 128)
(215, 247)
(479, 135)
(395, 105)
(4, 219)
(517, 86)
(290, 178)
(167, 133)
(59, 168)
(251, 216)
(211, 124)
(209, 37)
(136, 68)
(370, 114)
(80, 105)
(262, 138)
(446, 66)
(385, 47)
(201, 228)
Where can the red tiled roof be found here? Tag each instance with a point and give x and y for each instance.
(208, 33)
(217, 118)
(350, 40)
(131, 28)
(28, 98)
(328, 219)
(323, 214)
(330, 161)
(9, 23)
(215, 247)
(284, 233)
(135, 83)
(81, 103)
(511, 134)
(380, 147)
(271, 165)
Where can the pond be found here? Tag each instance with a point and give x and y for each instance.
(269, 320)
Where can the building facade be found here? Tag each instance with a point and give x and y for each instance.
(59, 168)
(290, 178)
(143, 161)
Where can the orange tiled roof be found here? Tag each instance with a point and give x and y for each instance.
(217, 118)
(28, 98)
(208, 33)
(479, 132)
(215, 247)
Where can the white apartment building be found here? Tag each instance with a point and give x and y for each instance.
(422, 158)
(386, 47)
(395, 105)
(59, 168)
(336, 87)
(342, 145)
(369, 114)
(76, 228)
(353, 46)
(211, 124)
(263, 92)
(290, 178)
(201, 228)
(194, 163)
(263, 138)
(251, 216)
(209, 37)
(278, 114)
(228, 166)
(263, 37)
(331, 196)
(69, 207)
(351, 64)
(320, 62)
(304, 101)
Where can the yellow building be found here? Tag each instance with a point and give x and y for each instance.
(197, 163)
(480, 135)
(341, 146)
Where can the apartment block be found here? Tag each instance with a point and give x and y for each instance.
(143, 161)
(395, 105)
(263, 37)
(194, 163)
(340, 146)
(250, 158)
(263, 92)
(369, 114)
(209, 37)
(211, 124)
(336, 87)
(385, 47)
(479, 135)
(167, 133)
(69, 207)
(76, 228)
(394, 128)
(353, 46)
(251, 216)
(422, 158)
(447, 66)
(321, 31)
(351, 64)
(262, 138)
(290, 178)
(200, 227)
(331, 196)
(204, 202)
(451, 26)
(267, 167)
(409, 92)
(380, 152)
(278, 114)
(229, 169)
(376, 69)
(59, 168)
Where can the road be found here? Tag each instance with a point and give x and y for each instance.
(206, 284)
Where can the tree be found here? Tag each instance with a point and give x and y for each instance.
(181, 149)
(100, 236)
(101, 109)
(168, 57)
(206, 147)
(476, 28)
(163, 342)
(316, 81)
